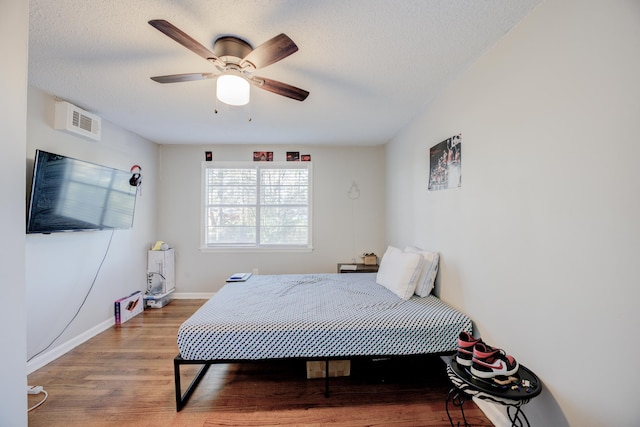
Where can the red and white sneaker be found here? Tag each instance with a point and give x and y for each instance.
(466, 342)
(489, 362)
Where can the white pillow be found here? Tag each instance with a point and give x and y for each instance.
(399, 271)
(429, 271)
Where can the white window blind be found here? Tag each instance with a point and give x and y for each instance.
(257, 205)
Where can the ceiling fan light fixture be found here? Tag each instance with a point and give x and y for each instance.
(233, 89)
(236, 59)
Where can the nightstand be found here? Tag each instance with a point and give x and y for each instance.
(359, 268)
(514, 395)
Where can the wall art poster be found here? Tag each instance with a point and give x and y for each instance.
(445, 160)
(293, 156)
(263, 156)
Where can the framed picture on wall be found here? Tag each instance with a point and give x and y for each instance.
(445, 164)
(293, 156)
(263, 156)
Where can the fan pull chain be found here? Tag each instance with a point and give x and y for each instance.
(218, 110)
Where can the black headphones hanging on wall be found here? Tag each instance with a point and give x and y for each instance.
(136, 178)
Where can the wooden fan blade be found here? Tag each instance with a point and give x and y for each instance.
(177, 78)
(271, 51)
(280, 88)
(181, 37)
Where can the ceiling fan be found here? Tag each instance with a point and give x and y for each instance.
(235, 59)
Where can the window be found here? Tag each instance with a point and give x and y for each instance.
(258, 205)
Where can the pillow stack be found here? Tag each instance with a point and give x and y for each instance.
(407, 272)
(429, 272)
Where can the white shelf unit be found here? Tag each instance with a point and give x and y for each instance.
(161, 277)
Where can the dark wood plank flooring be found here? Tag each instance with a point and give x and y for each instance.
(124, 376)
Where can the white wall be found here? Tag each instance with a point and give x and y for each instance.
(14, 38)
(342, 229)
(60, 268)
(539, 245)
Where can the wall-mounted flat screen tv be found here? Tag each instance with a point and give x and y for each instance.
(73, 195)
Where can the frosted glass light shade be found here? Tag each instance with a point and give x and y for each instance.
(233, 90)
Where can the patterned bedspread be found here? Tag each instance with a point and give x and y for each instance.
(314, 316)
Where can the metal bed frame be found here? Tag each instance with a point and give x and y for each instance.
(178, 361)
(182, 398)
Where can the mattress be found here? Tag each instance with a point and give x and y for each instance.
(317, 316)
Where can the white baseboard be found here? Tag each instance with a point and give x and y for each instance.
(193, 295)
(51, 355)
(495, 413)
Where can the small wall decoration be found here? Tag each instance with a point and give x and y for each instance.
(445, 161)
(293, 156)
(306, 157)
(263, 156)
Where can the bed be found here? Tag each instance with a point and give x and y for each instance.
(313, 317)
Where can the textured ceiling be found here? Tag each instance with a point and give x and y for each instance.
(370, 65)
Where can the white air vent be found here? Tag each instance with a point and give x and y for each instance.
(75, 120)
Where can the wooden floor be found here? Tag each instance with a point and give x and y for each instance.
(124, 377)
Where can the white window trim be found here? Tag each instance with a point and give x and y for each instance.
(253, 249)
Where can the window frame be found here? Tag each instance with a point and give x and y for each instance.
(204, 247)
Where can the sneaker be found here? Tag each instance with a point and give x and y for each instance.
(489, 362)
(466, 342)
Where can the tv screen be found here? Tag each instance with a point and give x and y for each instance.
(73, 195)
